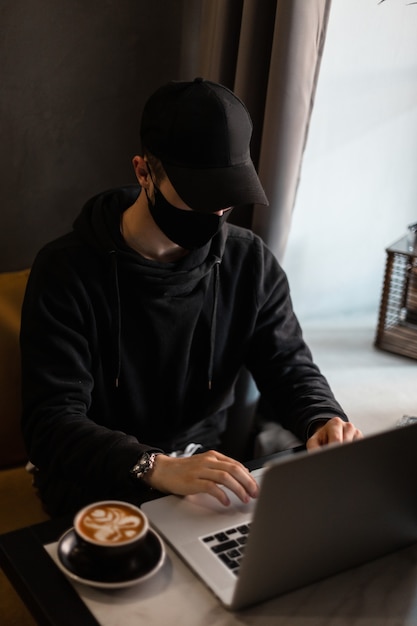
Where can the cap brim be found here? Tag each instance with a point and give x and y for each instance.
(213, 189)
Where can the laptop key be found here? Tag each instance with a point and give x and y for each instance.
(230, 563)
(224, 547)
(243, 529)
(233, 554)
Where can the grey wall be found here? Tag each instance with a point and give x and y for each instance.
(74, 78)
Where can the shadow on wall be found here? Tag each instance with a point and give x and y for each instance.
(75, 77)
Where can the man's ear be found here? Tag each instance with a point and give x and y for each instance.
(141, 170)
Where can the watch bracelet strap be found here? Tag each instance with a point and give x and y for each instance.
(135, 472)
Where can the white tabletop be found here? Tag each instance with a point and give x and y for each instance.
(380, 593)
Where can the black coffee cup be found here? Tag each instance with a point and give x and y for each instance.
(111, 529)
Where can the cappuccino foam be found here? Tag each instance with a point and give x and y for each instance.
(110, 524)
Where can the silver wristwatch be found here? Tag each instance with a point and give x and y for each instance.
(143, 465)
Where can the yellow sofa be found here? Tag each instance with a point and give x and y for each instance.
(19, 504)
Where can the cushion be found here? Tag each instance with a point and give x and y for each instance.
(20, 503)
(12, 289)
(20, 506)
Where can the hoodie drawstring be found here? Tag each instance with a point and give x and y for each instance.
(216, 284)
(116, 316)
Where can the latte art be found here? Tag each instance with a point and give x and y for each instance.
(110, 524)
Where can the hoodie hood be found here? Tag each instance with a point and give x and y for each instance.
(98, 225)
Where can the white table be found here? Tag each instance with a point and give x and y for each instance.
(379, 593)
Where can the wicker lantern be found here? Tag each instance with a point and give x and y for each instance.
(397, 323)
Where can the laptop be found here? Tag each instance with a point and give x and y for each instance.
(317, 513)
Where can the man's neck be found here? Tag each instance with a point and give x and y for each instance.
(142, 234)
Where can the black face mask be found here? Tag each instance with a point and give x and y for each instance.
(188, 229)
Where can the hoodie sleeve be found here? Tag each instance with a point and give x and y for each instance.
(88, 460)
(279, 359)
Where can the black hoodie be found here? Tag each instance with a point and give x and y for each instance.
(121, 354)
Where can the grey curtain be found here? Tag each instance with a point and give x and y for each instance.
(269, 53)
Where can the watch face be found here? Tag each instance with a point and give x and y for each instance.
(145, 460)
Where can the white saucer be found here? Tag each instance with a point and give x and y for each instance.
(76, 563)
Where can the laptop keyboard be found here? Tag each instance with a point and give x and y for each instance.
(229, 545)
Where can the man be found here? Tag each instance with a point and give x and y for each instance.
(136, 324)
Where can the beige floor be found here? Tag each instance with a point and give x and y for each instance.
(375, 388)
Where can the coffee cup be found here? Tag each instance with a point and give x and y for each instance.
(111, 528)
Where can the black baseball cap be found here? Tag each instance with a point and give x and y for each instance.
(201, 131)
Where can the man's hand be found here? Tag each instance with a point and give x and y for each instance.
(333, 431)
(207, 472)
